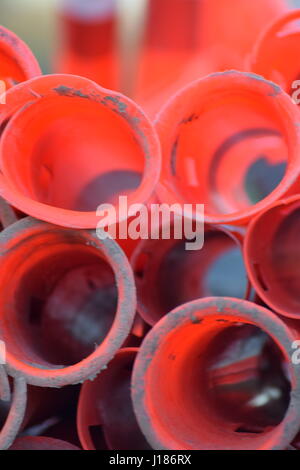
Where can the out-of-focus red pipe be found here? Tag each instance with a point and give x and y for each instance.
(275, 51)
(18, 63)
(272, 256)
(68, 303)
(105, 408)
(200, 39)
(206, 128)
(16, 407)
(295, 445)
(168, 275)
(81, 146)
(41, 443)
(172, 398)
(88, 45)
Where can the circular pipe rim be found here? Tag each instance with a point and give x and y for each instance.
(258, 316)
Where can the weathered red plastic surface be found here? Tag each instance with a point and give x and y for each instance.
(17, 61)
(274, 53)
(105, 408)
(171, 391)
(88, 41)
(59, 332)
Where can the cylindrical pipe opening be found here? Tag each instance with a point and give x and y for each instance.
(17, 61)
(215, 374)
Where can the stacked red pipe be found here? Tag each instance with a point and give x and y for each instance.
(136, 344)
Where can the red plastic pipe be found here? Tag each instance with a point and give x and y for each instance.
(105, 409)
(88, 45)
(168, 275)
(171, 388)
(169, 56)
(230, 27)
(274, 53)
(51, 412)
(271, 253)
(18, 63)
(202, 38)
(206, 128)
(41, 443)
(16, 401)
(82, 145)
(68, 304)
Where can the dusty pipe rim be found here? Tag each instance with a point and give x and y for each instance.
(86, 392)
(95, 362)
(16, 412)
(7, 214)
(182, 106)
(20, 52)
(192, 314)
(48, 87)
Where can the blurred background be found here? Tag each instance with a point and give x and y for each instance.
(148, 48)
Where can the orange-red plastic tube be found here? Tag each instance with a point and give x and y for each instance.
(271, 253)
(188, 39)
(275, 52)
(168, 275)
(229, 141)
(172, 398)
(88, 45)
(82, 146)
(7, 214)
(105, 411)
(170, 54)
(16, 408)
(68, 304)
